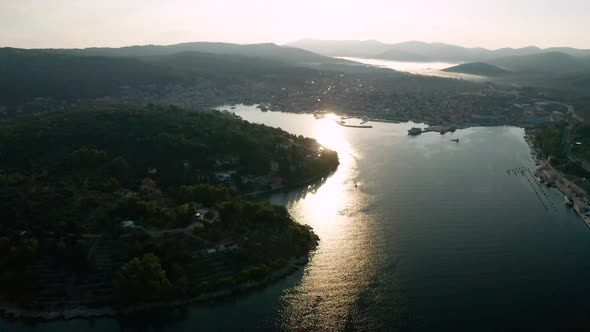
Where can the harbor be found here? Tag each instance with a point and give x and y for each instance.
(573, 193)
(575, 196)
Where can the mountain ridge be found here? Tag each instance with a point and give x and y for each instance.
(271, 51)
(429, 52)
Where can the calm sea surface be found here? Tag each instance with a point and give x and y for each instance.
(417, 234)
(419, 68)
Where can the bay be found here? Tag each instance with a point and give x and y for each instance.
(417, 234)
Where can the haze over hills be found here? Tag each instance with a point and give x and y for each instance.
(217, 72)
(204, 73)
(270, 51)
(547, 63)
(525, 63)
(421, 51)
(349, 48)
(26, 74)
(555, 62)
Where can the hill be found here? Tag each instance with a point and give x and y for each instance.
(349, 48)
(548, 62)
(128, 182)
(269, 51)
(29, 74)
(402, 55)
(431, 52)
(477, 68)
(421, 51)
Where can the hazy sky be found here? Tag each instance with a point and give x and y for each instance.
(489, 23)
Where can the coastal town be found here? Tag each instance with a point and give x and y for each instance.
(415, 98)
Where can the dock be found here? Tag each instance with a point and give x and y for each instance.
(443, 129)
(343, 124)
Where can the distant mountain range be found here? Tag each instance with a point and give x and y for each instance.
(523, 62)
(548, 62)
(290, 55)
(421, 51)
(71, 74)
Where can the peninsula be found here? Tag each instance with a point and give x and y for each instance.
(107, 208)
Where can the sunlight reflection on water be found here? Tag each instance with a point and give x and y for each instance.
(341, 267)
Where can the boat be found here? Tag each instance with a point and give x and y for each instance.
(568, 201)
(448, 130)
(455, 140)
(262, 107)
(415, 131)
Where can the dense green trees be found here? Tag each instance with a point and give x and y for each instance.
(204, 193)
(147, 211)
(243, 211)
(87, 157)
(128, 141)
(185, 215)
(142, 279)
(61, 161)
(74, 176)
(16, 254)
(550, 141)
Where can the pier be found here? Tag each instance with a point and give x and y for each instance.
(343, 124)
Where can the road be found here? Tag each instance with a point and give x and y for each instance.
(567, 147)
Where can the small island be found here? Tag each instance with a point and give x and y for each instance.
(477, 68)
(115, 209)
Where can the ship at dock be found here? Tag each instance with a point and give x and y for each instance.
(568, 201)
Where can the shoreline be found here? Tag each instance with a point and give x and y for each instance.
(302, 185)
(14, 312)
(558, 179)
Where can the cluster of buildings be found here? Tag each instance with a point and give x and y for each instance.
(402, 99)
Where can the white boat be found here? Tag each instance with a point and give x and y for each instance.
(568, 201)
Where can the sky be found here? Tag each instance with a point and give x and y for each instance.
(472, 23)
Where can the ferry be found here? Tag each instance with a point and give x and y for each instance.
(568, 201)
